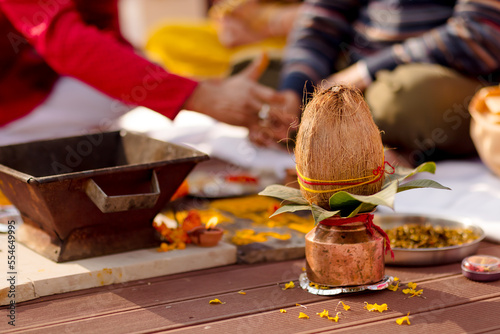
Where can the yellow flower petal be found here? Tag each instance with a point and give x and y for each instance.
(412, 285)
(417, 293)
(241, 292)
(282, 311)
(323, 314)
(393, 287)
(413, 292)
(335, 318)
(346, 307)
(400, 321)
(289, 285)
(376, 307)
(303, 268)
(396, 279)
(302, 315)
(215, 301)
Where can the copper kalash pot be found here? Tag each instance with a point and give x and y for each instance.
(346, 252)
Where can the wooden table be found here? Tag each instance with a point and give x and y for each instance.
(180, 303)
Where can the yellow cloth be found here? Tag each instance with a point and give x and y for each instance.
(192, 49)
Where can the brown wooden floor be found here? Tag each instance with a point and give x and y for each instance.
(180, 303)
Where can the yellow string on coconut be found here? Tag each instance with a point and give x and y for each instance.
(344, 184)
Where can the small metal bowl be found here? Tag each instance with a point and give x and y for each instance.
(484, 268)
(428, 256)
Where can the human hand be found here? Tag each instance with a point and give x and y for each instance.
(235, 100)
(356, 74)
(281, 123)
(233, 32)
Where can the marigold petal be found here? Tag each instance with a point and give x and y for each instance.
(393, 287)
(346, 307)
(335, 318)
(302, 315)
(289, 285)
(241, 292)
(412, 285)
(282, 311)
(400, 321)
(376, 307)
(323, 314)
(416, 293)
(215, 301)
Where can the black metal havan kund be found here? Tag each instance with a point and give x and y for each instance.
(92, 195)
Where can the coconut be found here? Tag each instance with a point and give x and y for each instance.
(339, 146)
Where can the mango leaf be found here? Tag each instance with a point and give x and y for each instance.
(402, 173)
(345, 204)
(290, 208)
(363, 207)
(422, 183)
(285, 193)
(320, 214)
(343, 200)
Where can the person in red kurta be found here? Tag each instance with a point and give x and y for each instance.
(42, 42)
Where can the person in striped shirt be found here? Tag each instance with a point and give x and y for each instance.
(419, 62)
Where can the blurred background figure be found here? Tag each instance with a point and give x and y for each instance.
(418, 62)
(65, 69)
(227, 40)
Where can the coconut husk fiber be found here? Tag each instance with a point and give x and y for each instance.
(337, 140)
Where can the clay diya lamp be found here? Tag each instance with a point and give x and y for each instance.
(207, 235)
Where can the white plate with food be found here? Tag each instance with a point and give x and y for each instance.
(425, 240)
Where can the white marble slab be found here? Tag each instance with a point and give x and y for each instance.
(37, 276)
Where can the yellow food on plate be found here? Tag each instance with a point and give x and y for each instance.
(429, 236)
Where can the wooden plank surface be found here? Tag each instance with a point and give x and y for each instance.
(180, 303)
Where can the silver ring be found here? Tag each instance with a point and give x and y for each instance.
(264, 111)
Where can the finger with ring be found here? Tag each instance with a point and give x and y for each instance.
(264, 111)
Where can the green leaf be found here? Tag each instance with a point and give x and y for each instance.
(385, 197)
(429, 167)
(363, 207)
(320, 214)
(422, 183)
(342, 200)
(402, 173)
(285, 193)
(291, 208)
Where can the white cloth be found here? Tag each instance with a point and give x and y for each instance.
(474, 196)
(73, 108)
(219, 140)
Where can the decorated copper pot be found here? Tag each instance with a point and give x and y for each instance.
(345, 252)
